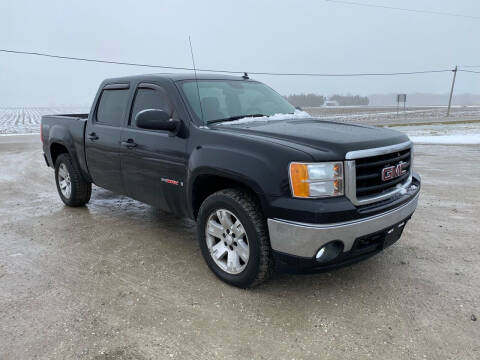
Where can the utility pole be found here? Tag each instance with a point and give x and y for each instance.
(451, 91)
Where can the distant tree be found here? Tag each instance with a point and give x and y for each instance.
(346, 100)
(306, 100)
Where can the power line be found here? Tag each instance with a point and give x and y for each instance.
(352, 74)
(218, 70)
(470, 71)
(404, 9)
(92, 60)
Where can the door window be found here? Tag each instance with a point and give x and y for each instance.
(111, 107)
(147, 98)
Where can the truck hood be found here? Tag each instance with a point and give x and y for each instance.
(319, 135)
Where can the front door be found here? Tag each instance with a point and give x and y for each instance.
(102, 137)
(154, 162)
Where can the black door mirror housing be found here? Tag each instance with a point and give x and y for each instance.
(156, 119)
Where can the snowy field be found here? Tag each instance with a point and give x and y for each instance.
(388, 115)
(424, 125)
(462, 133)
(26, 120)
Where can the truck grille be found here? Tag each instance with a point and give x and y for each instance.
(369, 173)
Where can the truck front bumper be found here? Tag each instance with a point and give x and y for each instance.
(296, 243)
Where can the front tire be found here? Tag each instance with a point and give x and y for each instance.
(233, 238)
(71, 186)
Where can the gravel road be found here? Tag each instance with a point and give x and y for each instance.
(121, 280)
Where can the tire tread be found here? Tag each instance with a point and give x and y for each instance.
(81, 189)
(254, 212)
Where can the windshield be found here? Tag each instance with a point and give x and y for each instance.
(224, 100)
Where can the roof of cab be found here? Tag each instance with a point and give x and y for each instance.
(174, 77)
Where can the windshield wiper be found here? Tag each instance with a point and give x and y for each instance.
(237, 117)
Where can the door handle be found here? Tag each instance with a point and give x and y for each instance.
(129, 143)
(92, 136)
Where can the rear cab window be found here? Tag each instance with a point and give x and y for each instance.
(112, 105)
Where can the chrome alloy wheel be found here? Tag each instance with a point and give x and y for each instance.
(227, 241)
(64, 181)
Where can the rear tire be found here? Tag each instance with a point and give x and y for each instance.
(71, 186)
(230, 223)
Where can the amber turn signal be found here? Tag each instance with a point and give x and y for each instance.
(299, 180)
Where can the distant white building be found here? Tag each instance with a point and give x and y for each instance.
(330, 103)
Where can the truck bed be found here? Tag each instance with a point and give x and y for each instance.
(70, 116)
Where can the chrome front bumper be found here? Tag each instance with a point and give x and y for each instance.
(305, 240)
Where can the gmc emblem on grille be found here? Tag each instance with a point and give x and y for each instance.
(392, 172)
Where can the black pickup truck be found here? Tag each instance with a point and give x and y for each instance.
(269, 186)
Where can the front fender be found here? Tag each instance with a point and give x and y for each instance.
(245, 168)
(258, 163)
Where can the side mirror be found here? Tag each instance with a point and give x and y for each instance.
(156, 119)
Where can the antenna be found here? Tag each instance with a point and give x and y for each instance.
(196, 80)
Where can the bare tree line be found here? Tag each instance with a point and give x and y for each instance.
(307, 100)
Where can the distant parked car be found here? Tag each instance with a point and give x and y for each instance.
(330, 103)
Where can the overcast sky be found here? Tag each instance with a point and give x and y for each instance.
(276, 36)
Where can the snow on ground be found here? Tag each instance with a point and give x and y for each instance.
(466, 139)
(387, 115)
(26, 120)
(440, 129)
(443, 133)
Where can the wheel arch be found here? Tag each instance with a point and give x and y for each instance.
(56, 149)
(206, 183)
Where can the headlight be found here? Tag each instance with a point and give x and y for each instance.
(316, 179)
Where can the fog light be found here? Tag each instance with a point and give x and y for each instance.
(329, 252)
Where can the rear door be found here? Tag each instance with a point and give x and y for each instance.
(154, 168)
(102, 137)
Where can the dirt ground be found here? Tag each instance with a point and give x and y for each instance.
(121, 280)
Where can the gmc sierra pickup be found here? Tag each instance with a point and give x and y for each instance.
(269, 186)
